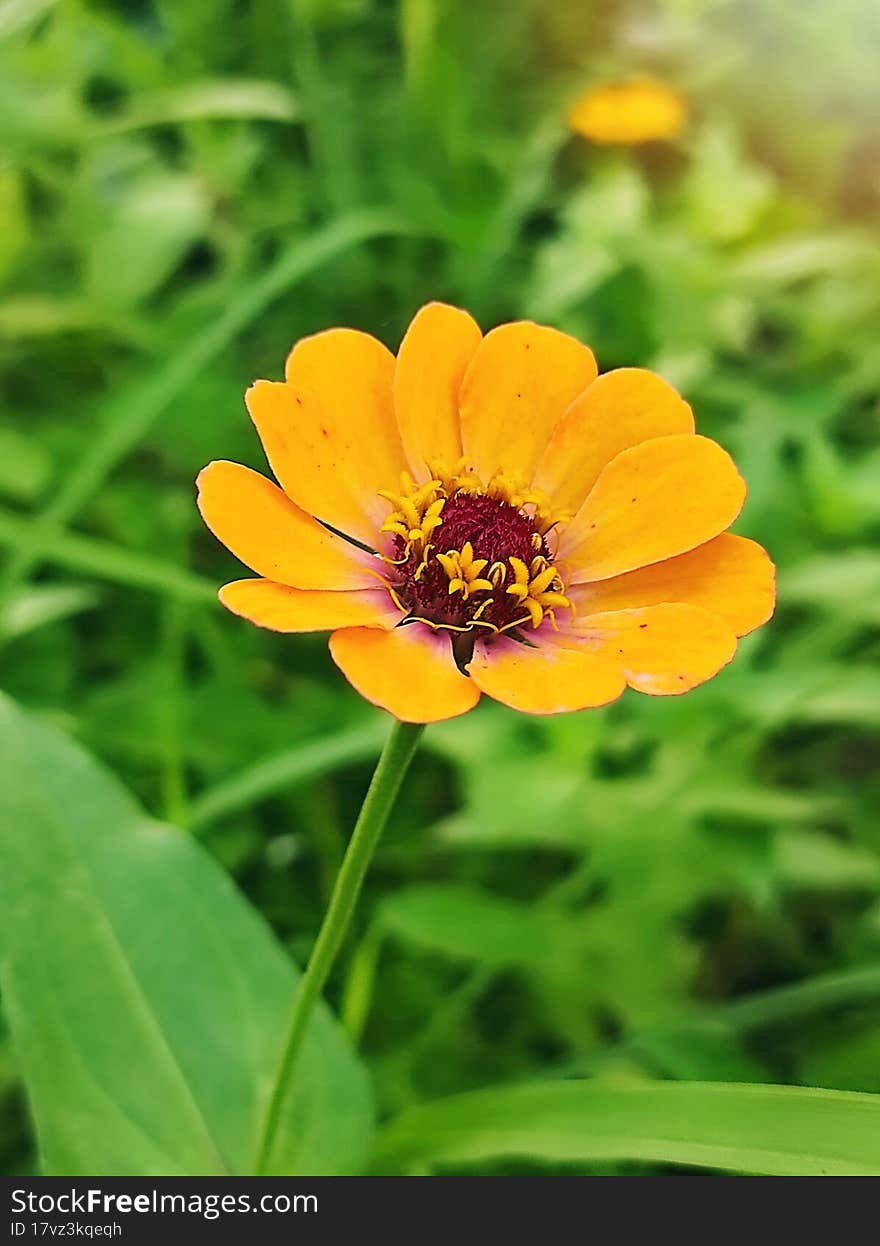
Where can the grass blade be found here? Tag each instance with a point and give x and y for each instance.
(284, 771)
(130, 415)
(765, 1130)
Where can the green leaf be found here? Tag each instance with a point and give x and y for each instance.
(133, 409)
(854, 698)
(466, 922)
(844, 581)
(784, 1005)
(768, 1130)
(226, 98)
(17, 15)
(146, 234)
(14, 226)
(812, 861)
(145, 997)
(34, 316)
(40, 604)
(850, 1061)
(801, 256)
(25, 464)
(102, 559)
(724, 192)
(283, 771)
(708, 1050)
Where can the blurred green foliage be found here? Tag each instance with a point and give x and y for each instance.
(680, 888)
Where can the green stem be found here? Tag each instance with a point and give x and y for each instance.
(396, 756)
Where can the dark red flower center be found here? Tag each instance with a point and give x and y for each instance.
(472, 559)
(496, 532)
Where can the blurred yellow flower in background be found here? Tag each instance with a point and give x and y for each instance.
(637, 111)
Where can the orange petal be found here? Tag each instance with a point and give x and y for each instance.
(663, 650)
(547, 679)
(651, 502)
(620, 409)
(263, 528)
(409, 672)
(516, 389)
(438, 346)
(284, 609)
(730, 576)
(329, 432)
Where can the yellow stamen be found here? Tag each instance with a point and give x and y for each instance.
(464, 571)
(417, 512)
(538, 589)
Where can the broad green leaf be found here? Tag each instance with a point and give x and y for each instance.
(768, 1130)
(145, 997)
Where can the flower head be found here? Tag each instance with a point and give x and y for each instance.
(487, 515)
(626, 113)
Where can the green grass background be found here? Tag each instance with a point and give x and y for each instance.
(684, 888)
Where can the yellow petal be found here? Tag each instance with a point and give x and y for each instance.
(284, 609)
(620, 409)
(637, 111)
(409, 672)
(730, 576)
(663, 650)
(651, 502)
(329, 431)
(546, 679)
(516, 389)
(263, 528)
(438, 346)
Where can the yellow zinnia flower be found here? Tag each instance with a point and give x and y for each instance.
(628, 112)
(487, 515)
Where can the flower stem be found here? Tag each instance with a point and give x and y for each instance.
(392, 766)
